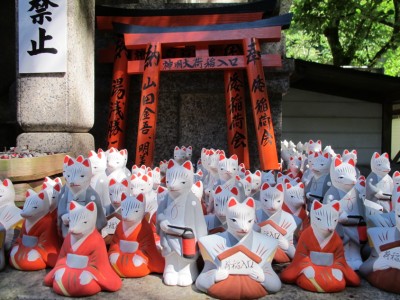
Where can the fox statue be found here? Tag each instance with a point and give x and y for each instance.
(133, 252)
(320, 255)
(38, 245)
(222, 276)
(82, 268)
(10, 219)
(180, 217)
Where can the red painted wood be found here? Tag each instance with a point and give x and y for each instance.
(220, 37)
(236, 116)
(221, 63)
(105, 22)
(260, 104)
(148, 106)
(119, 97)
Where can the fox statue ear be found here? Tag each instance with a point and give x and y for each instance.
(123, 196)
(188, 165)
(218, 189)
(235, 191)
(351, 162)
(171, 163)
(279, 187)
(250, 202)
(72, 205)
(90, 206)
(232, 202)
(336, 205)
(316, 205)
(140, 197)
(264, 186)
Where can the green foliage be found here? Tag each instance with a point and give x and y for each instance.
(346, 32)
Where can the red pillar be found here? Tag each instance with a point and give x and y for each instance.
(236, 115)
(119, 95)
(260, 104)
(148, 106)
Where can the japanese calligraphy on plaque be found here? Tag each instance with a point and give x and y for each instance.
(42, 31)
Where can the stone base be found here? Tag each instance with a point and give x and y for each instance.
(77, 143)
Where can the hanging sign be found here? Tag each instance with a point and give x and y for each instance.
(42, 31)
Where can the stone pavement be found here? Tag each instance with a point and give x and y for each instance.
(28, 285)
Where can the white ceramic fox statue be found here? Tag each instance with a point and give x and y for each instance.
(83, 268)
(116, 164)
(77, 174)
(320, 180)
(10, 219)
(99, 180)
(379, 184)
(238, 260)
(180, 223)
(382, 268)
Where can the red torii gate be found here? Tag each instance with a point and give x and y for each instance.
(153, 39)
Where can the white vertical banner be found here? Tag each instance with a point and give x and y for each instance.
(42, 30)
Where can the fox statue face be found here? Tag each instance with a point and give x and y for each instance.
(314, 146)
(116, 189)
(294, 195)
(82, 218)
(346, 155)
(221, 197)
(141, 183)
(77, 173)
(7, 192)
(98, 162)
(324, 217)
(227, 167)
(116, 160)
(133, 208)
(343, 174)
(271, 198)
(240, 217)
(180, 155)
(380, 164)
(36, 205)
(320, 163)
(179, 178)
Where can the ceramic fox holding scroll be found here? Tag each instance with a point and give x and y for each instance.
(276, 223)
(320, 255)
(38, 244)
(238, 261)
(379, 184)
(133, 252)
(10, 219)
(83, 268)
(77, 174)
(382, 269)
(180, 223)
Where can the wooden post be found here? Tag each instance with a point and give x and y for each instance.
(236, 116)
(148, 106)
(260, 105)
(119, 96)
